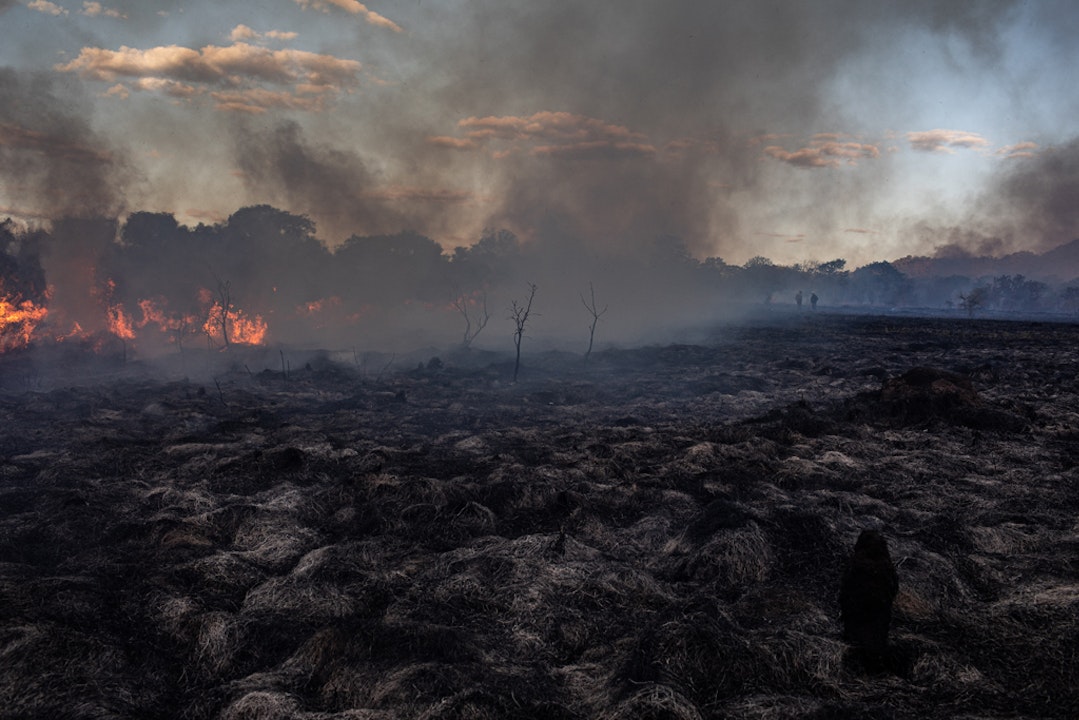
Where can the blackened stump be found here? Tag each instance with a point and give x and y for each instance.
(868, 589)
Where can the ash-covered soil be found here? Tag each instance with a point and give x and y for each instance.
(654, 533)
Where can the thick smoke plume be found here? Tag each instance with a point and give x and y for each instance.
(1039, 197)
(1029, 206)
(661, 106)
(280, 165)
(55, 164)
(623, 146)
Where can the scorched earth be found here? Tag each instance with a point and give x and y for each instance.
(654, 532)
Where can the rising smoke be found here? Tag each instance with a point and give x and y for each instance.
(55, 164)
(282, 166)
(615, 140)
(692, 83)
(1028, 206)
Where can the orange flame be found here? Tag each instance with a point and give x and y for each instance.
(18, 320)
(119, 322)
(241, 329)
(166, 323)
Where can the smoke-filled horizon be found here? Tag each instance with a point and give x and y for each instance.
(147, 286)
(795, 131)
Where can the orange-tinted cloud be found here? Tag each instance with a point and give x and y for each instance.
(95, 9)
(44, 6)
(213, 64)
(943, 141)
(824, 153)
(554, 126)
(259, 100)
(1019, 150)
(548, 134)
(352, 7)
(236, 76)
(241, 33)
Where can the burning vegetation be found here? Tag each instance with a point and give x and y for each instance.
(19, 320)
(263, 276)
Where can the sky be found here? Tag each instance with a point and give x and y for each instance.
(793, 130)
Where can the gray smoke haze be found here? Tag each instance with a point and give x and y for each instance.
(56, 164)
(616, 122)
(611, 137)
(683, 86)
(1031, 204)
(1039, 198)
(331, 184)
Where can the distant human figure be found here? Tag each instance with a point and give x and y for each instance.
(813, 301)
(868, 589)
(798, 299)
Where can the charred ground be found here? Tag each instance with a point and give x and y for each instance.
(658, 532)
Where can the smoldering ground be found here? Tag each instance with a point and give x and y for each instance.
(661, 531)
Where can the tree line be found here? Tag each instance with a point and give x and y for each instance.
(272, 262)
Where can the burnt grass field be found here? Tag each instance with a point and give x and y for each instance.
(658, 532)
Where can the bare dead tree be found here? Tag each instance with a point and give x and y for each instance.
(224, 299)
(519, 314)
(462, 303)
(224, 295)
(596, 315)
(973, 301)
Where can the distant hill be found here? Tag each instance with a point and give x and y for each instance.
(1059, 265)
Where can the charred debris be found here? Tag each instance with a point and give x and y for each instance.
(660, 531)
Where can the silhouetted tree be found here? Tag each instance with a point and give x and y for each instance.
(760, 277)
(832, 267)
(1068, 299)
(224, 298)
(879, 283)
(392, 268)
(493, 259)
(590, 304)
(519, 314)
(973, 300)
(474, 323)
(1015, 292)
